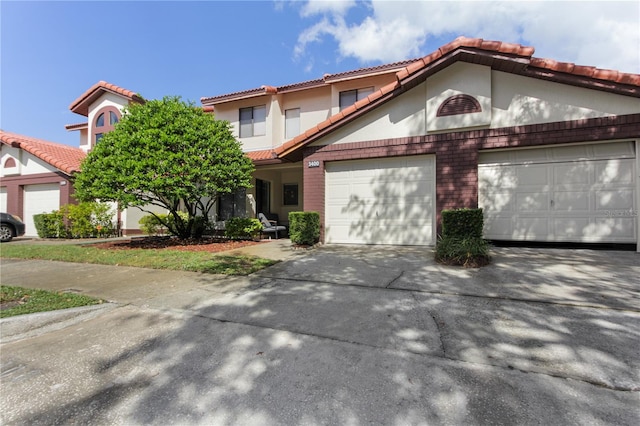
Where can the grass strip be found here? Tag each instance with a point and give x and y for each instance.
(19, 301)
(142, 258)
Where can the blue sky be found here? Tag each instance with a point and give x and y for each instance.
(51, 52)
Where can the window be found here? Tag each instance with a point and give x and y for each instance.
(253, 121)
(292, 123)
(350, 97)
(290, 194)
(106, 118)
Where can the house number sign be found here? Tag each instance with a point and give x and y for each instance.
(314, 163)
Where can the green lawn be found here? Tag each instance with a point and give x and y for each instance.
(20, 300)
(143, 258)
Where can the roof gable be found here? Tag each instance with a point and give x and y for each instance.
(508, 57)
(65, 158)
(81, 105)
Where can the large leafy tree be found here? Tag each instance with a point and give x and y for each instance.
(170, 154)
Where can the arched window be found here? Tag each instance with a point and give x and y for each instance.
(10, 163)
(459, 104)
(105, 120)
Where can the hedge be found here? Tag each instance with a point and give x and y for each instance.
(304, 227)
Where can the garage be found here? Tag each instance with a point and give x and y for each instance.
(575, 193)
(380, 201)
(3, 199)
(41, 198)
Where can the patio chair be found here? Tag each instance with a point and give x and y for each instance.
(270, 226)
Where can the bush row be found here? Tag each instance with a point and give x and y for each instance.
(83, 220)
(304, 227)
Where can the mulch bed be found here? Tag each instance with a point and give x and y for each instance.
(211, 245)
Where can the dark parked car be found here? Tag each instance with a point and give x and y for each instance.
(10, 226)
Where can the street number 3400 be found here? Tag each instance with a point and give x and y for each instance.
(314, 163)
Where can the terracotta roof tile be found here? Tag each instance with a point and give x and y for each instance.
(81, 104)
(321, 82)
(234, 96)
(584, 70)
(63, 157)
(267, 154)
(415, 66)
(367, 71)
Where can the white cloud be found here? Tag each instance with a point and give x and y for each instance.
(336, 7)
(605, 34)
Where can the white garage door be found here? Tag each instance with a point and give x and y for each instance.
(583, 193)
(3, 199)
(381, 201)
(43, 198)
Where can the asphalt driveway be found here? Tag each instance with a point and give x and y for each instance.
(338, 335)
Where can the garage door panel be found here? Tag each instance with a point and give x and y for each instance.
(621, 199)
(614, 229)
(591, 199)
(567, 229)
(499, 227)
(573, 173)
(614, 171)
(387, 201)
(531, 175)
(3, 199)
(42, 198)
(532, 202)
(571, 201)
(531, 228)
(497, 202)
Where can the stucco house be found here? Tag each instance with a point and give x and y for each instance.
(548, 149)
(36, 176)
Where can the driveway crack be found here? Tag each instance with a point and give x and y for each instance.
(442, 348)
(394, 280)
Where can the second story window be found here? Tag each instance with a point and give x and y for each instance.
(350, 97)
(292, 123)
(253, 121)
(106, 119)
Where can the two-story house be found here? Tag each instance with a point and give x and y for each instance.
(547, 149)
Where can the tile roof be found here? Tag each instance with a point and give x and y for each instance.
(327, 78)
(65, 158)
(267, 156)
(505, 56)
(81, 105)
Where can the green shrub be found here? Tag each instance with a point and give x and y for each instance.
(467, 252)
(462, 223)
(461, 242)
(150, 224)
(103, 220)
(50, 225)
(304, 227)
(88, 219)
(242, 228)
(83, 220)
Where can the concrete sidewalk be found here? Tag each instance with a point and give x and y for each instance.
(340, 334)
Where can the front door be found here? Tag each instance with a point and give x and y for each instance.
(263, 196)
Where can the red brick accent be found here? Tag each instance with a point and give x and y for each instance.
(457, 154)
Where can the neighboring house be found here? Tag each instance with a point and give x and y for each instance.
(548, 149)
(36, 176)
(102, 104)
